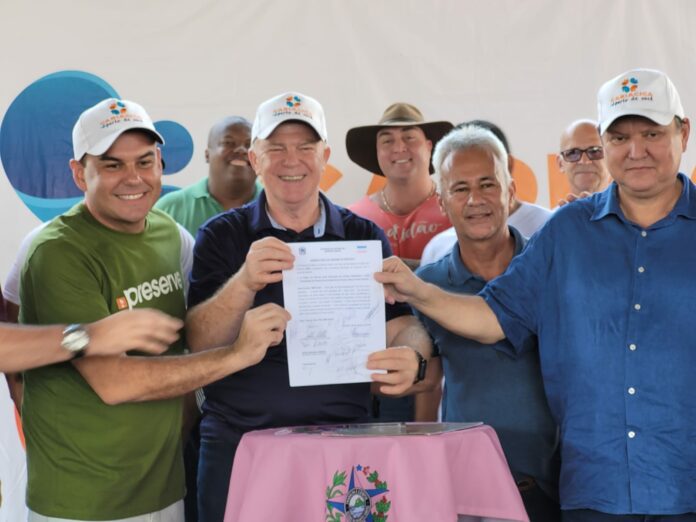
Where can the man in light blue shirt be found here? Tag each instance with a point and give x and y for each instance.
(607, 287)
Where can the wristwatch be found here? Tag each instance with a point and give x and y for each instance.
(75, 340)
(422, 367)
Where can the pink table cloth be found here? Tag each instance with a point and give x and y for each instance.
(460, 475)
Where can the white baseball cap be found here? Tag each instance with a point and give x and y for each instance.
(289, 106)
(639, 92)
(99, 127)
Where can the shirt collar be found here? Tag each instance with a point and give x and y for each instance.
(459, 274)
(329, 217)
(607, 202)
(200, 189)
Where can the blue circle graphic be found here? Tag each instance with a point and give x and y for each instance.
(36, 139)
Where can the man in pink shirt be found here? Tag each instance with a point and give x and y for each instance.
(399, 149)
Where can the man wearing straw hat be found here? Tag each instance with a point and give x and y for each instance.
(399, 148)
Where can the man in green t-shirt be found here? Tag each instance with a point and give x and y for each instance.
(231, 182)
(104, 433)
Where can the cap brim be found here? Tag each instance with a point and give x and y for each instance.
(658, 117)
(361, 142)
(105, 143)
(263, 135)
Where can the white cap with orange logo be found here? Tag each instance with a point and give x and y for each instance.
(639, 92)
(99, 127)
(289, 106)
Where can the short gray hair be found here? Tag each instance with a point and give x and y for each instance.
(469, 137)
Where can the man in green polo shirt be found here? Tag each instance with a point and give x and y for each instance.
(104, 433)
(231, 181)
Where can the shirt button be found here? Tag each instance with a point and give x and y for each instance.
(631, 434)
(636, 306)
(632, 347)
(641, 269)
(631, 391)
(643, 233)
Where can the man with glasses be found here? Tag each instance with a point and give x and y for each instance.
(607, 288)
(581, 159)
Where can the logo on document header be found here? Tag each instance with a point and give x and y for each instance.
(364, 499)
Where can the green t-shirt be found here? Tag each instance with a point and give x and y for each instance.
(88, 460)
(194, 205)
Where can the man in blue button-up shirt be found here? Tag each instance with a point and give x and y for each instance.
(504, 391)
(607, 287)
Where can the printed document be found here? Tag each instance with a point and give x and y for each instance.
(337, 311)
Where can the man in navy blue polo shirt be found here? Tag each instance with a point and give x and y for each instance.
(238, 259)
(477, 193)
(607, 286)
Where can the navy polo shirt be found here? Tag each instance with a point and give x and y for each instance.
(260, 396)
(613, 306)
(493, 386)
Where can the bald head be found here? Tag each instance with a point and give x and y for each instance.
(225, 123)
(584, 174)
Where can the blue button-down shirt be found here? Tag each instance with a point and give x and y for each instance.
(613, 306)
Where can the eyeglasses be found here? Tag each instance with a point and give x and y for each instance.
(574, 155)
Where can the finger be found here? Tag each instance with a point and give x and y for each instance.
(387, 378)
(268, 264)
(388, 389)
(152, 347)
(279, 250)
(392, 365)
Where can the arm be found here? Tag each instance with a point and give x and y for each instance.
(428, 400)
(465, 315)
(133, 379)
(216, 321)
(25, 347)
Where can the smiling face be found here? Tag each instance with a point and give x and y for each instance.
(123, 184)
(290, 163)
(228, 153)
(585, 175)
(643, 157)
(403, 152)
(475, 195)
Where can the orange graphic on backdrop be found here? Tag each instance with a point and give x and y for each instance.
(329, 177)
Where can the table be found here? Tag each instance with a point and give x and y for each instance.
(283, 476)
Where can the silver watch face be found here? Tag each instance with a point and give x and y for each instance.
(75, 338)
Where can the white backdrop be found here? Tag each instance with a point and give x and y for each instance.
(530, 66)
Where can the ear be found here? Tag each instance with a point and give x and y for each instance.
(253, 159)
(207, 156)
(559, 162)
(441, 203)
(685, 130)
(512, 191)
(327, 153)
(78, 174)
